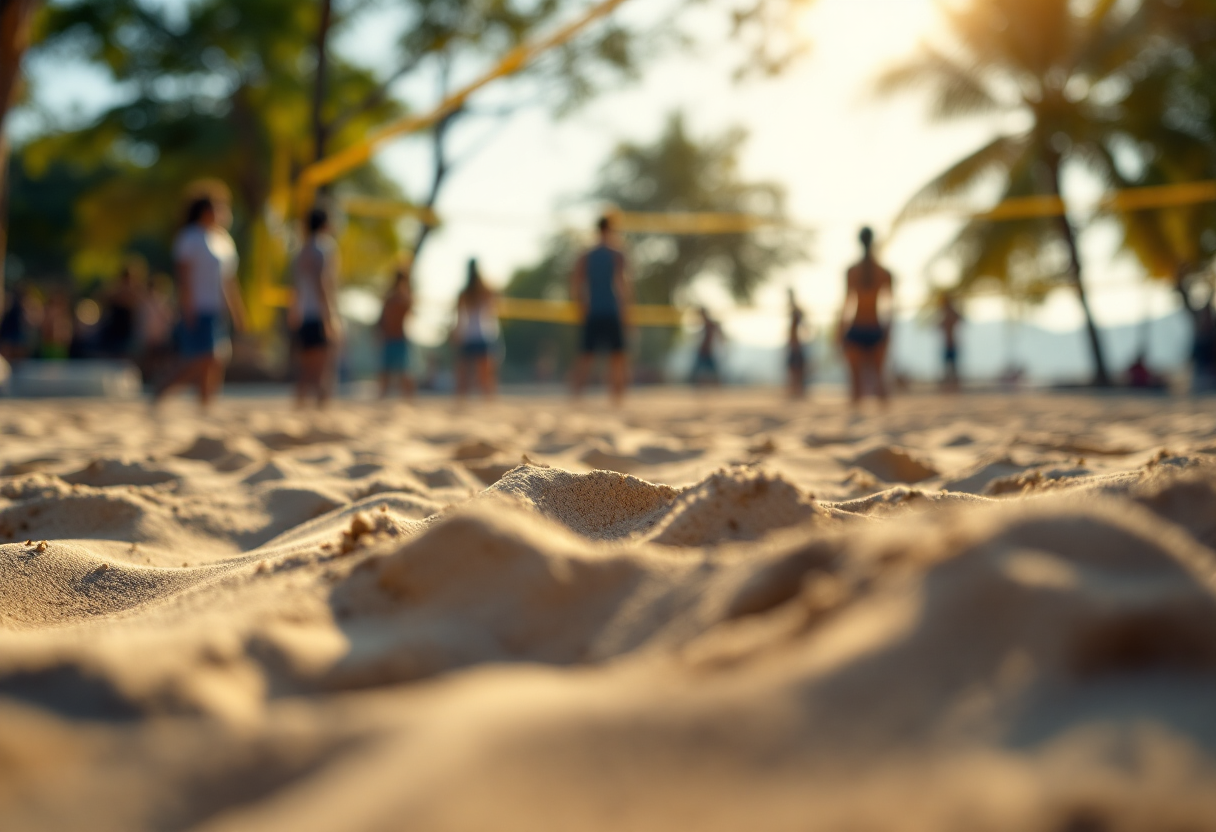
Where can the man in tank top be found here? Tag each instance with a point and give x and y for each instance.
(314, 309)
(600, 287)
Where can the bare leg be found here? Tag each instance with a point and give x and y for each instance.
(407, 386)
(486, 377)
(462, 377)
(189, 373)
(212, 378)
(582, 370)
(880, 366)
(853, 355)
(312, 366)
(618, 377)
(384, 381)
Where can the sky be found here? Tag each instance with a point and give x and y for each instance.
(844, 157)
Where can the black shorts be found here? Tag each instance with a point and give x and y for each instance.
(603, 334)
(312, 335)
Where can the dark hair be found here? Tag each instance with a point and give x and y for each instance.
(318, 218)
(474, 285)
(867, 237)
(199, 206)
(605, 224)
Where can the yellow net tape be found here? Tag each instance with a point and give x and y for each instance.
(1024, 207)
(691, 223)
(1163, 196)
(366, 206)
(531, 309)
(567, 312)
(330, 168)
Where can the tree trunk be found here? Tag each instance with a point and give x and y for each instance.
(439, 174)
(15, 18)
(1101, 376)
(319, 129)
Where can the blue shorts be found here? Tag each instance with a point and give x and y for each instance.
(312, 335)
(795, 358)
(475, 349)
(603, 333)
(395, 356)
(866, 337)
(206, 337)
(706, 365)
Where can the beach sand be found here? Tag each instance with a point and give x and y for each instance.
(715, 612)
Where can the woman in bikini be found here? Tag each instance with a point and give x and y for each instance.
(865, 332)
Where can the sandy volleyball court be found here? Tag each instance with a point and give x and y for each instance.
(719, 612)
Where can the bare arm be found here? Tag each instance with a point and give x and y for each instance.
(185, 293)
(327, 292)
(850, 302)
(236, 306)
(624, 291)
(578, 280)
(886, 300)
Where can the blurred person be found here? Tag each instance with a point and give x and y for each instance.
(395, 346)
(476, 335)
(865, 334)
(599, 286)
(705, 366)
(19, 323)
(57, 327)
(948, 322)
(122, 308)
(795, 351)
(314, 308)
(86, 329)
(205, 261)
(1141, 377)
(155, 336)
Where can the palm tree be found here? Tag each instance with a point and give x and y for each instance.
(1067, 72)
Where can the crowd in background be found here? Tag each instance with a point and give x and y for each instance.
(177, 329)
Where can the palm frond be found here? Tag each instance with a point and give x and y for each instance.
(996, 158)
(957, 90)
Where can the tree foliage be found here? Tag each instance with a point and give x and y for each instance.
(1075, 74)
(215, 89)
(675, 173)
(681, 174)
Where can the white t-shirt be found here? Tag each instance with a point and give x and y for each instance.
(315, 265)
(212, 260)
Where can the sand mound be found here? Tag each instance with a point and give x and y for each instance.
(737, 504)
(106, 473)
(894, 464)
(282, 440)
(901, 500)
(609, 459)
(102, 515)
(225, 453)
(56, 582)
(977, 479)
(477, 449)
(602, 505)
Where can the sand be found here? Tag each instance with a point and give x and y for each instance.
(713, 612)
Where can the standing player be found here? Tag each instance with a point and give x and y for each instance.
(315, 309)
(600, 287)
(205, 262)
(395, 361)
(865, 333)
